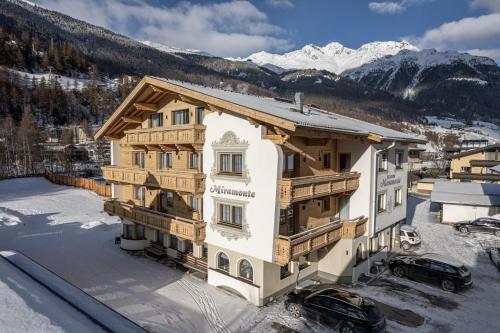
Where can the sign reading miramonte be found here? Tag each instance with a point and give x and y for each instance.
(222, 190)
(390, 180)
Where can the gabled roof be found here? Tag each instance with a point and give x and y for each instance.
(267, 110)
(474, 151)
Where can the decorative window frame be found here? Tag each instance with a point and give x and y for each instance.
(228, 231)
(230, 143)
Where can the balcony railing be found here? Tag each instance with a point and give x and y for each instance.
(171, 179)
(166, 223)
(191, 134)
(288, 248)
(310, 187)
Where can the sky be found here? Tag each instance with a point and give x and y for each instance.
(239, 28)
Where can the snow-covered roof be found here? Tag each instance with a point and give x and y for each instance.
(311, 117)
(475, 150)
(470, 194)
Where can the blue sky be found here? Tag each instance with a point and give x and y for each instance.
(239, 28)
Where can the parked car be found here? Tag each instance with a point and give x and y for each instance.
(483, 224)
(409, 237)
(432, 268)
(339, 309)
(494, 253)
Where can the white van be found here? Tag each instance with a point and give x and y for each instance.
(409, 237)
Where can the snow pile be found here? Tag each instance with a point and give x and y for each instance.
(333, 57)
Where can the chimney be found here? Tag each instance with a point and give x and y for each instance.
(299, 101)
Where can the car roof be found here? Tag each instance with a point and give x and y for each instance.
(441, 258)
(407, 227)
(341, 295)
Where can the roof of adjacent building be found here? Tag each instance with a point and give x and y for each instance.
(470, 194)
(279, 112)
(475, 150)
(311, 117)
(431, 180)
(496, 169)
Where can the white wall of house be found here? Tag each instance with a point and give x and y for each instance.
(262, 161)
(456, 213)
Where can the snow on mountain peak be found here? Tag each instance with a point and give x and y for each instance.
(333, 57)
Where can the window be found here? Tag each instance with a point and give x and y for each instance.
(325, 204)
(289, 165)
(465, 169)
(194, 203)
(381, 202)
(169, 160)
(156, 120)
(344, 162)
(230, 163)
(139, 229)
(399, 159)
(193, 161)
(327, 160)
(223, 262)
(200, 114)
(180, 117)
(138, 159)
(161, 161)
(174, 242)
(230, 215)
(383, 162)
(170, 199)
(246, 270)
(139, 193)
(188, 245)
(398, 198)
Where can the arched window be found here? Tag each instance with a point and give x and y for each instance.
(246, 270)
(223, 262)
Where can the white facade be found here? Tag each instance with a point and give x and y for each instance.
(261, 164)
(453, 213)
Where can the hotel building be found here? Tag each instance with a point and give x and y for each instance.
(257, 193)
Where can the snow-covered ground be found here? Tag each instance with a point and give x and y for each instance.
(478, 129)
(474, 310)
(65, 229)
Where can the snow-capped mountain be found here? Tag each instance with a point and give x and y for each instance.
(333, 57)
(409, 72)
(173, 49)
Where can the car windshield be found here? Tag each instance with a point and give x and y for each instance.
(412, 234)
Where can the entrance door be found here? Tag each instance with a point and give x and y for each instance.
(344, 207)
(159, 237)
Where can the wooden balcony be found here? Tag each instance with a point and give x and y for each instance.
(310, 187)
(166, 223)
(490, 177)
(171, 179)
(288, 248)
(192, 134)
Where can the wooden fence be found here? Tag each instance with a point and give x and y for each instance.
(89, 184)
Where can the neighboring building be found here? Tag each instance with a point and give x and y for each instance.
(426, 185)
(415, 157)
(475, 165)
(257, 192)
(469, 144)
(466, 201)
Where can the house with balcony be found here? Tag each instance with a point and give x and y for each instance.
(476, 165)
(257, 193)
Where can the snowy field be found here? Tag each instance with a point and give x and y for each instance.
(66, 230)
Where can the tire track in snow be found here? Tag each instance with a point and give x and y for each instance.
(207, 306)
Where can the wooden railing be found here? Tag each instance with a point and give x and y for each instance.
(310, 187)
(191, 261)
(287, 248)
(170, 224)
(193, 134)
(177, 180)
(476, 176)
(89, 184)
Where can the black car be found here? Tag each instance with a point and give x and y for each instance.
(339, 309)
(483, 224)
(446, 272)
